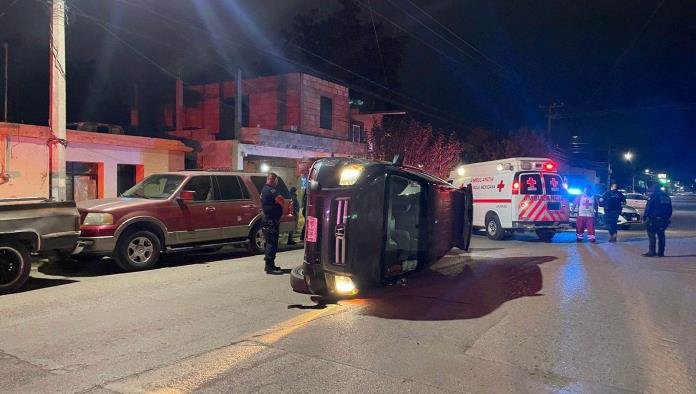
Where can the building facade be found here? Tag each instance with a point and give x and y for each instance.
(285, 120)
(98, 165)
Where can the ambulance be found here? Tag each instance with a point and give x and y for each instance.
(516, 195)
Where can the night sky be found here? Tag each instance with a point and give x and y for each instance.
(626, 70)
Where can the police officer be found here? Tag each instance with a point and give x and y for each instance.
(613, 201)
(296, 211)
(272, 205)
(658, 212)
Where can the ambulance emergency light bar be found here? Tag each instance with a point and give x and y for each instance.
(529, 166)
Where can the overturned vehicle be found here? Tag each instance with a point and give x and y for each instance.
(371, 222)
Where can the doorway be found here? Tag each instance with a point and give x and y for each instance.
(125, 177)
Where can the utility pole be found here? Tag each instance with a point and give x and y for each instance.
(57, 142)
(238, 105)
(551, 114)
(7, 59)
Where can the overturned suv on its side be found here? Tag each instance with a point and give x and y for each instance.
(178, 211)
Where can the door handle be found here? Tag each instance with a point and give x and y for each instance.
(210, 209)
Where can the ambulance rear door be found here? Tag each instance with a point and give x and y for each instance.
(528, 197)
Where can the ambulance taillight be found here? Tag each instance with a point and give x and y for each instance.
(516, 188)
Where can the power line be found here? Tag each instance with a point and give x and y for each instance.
(330, 77)
(498, 74)
(379, 49)
(663, 107)
(625, 52)
(455, 35)
(438, 35)
(4, 12)
(124, 42)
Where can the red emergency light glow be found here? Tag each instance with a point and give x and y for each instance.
(516, 188)
(549, 166)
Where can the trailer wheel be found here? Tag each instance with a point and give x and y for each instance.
(493, 228)
(15, 265)
(545, 235)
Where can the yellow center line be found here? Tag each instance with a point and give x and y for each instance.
(188, 375)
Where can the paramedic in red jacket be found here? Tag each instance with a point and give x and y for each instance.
(586, 206)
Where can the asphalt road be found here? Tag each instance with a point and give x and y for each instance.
(509, 316)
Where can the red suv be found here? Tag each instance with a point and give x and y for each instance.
(178, 211)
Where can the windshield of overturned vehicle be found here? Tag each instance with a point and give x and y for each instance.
(158, 187)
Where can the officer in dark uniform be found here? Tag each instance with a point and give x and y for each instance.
(272, 205)
(658, 212)
(613, 201)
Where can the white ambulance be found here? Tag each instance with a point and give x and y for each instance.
(515, 195)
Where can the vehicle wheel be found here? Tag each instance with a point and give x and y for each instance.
(137, 251)
(493, 228)
(15, 265)
(546, 235)
(297, 280)
(257, 240)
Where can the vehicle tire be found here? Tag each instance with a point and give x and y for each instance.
(546, 235)
(257, 240)
(136, 251)
(493, 228)
(297, 280)
(15, 265)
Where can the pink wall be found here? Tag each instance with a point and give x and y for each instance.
(25, 162)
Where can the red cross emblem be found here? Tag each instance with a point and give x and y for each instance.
(587, 203)
(531, 182)
(500, 186)
(554, 183)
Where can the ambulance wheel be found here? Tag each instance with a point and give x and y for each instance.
(546, 235)
(493, 228)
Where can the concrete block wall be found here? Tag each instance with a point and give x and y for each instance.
(313, 89)
(297, 95)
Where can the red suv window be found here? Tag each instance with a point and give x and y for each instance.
(201, 186)
(230, 187)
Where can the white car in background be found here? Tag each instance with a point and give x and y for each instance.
(637, 201)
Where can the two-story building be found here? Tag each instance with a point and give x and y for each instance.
(285, 119)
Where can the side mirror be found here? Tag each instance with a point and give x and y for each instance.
(187, 196)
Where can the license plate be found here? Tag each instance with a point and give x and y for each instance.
(312, 224)
(553, 206)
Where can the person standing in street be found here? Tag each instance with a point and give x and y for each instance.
(296, 211)
(613, 201)
(658, 212)
(272, 205)
(586, 206)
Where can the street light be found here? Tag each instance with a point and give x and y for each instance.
(647, 171)
(628, 156)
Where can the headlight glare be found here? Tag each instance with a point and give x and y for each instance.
(344, 285)
(350, 174)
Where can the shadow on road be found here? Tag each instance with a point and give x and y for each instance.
(42, 283)
(467, 289)
(105, 266)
